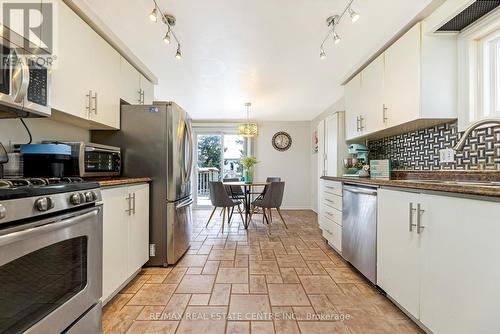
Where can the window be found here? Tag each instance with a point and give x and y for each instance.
(479, 71)
(490, 74)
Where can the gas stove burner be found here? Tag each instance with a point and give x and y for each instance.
(37, 182)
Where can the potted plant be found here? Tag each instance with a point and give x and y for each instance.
(248, 162)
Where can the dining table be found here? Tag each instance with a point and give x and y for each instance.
(247, 191)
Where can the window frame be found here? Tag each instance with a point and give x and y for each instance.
(471, 67)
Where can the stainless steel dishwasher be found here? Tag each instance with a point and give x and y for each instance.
(359, 229)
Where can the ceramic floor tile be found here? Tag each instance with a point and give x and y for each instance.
(249, 307)
(203, 319)
(287, 295)
(232, 275)
(262, 327)
(199, 299)
(258, 284)
(238, 327)
(318, 284)
(196, 284)
(150, 327)
(222, 255)
(264, 267)
(220, 294)
(324, 327)
(240, 288)
(153, 294)
(192, 261)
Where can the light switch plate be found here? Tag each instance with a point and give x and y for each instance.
(447, 155)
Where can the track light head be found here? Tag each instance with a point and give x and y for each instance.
(336, 38)
(353, 14)
(154, 15)
(178, 54)
(322, 54)
(166, 39)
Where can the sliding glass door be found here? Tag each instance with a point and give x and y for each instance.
(218, 157)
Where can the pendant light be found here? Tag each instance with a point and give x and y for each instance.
(248, 129)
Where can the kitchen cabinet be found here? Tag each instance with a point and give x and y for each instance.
(412, 82)
(125, 235)
(134, 87)
(84, 77)
(335, 147)
(445, 273)
(398, 249)
(330, 213)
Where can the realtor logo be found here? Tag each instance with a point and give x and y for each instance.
(33, 21)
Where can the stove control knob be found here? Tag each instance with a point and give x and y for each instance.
(3, 212)
(77, 199)
(44, 204)
(90, 196)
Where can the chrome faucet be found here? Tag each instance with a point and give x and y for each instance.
(461, 143)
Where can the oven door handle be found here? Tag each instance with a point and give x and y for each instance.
(25, 234)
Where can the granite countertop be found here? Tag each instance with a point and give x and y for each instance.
(438, 181)
(119, 181)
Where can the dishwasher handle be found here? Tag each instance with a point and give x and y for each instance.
(359, 190)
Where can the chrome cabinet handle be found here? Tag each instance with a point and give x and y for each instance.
(129, 199)
(329, 213)
(412, 209)
(133, 203)
(89, 103)
(357, 124)
(420, 227)
(141, 96)
(384, 113)
(95, 103)
(361, 126)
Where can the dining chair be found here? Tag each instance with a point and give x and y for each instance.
(272, 199)
(220, 199)
(236, 192)
(269, 179)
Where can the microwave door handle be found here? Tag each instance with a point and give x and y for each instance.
(20, 76)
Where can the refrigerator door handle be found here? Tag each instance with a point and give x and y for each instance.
(191, 157)
(184, 204)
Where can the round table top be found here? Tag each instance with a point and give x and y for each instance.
(243, 184)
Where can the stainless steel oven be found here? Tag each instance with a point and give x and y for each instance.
(51, 273)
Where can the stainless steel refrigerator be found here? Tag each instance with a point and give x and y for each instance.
(156, 141)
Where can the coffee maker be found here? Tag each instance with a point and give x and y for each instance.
(358, 156)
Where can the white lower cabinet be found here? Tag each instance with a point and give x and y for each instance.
(330, 212)
(445, 273)
(125, 235)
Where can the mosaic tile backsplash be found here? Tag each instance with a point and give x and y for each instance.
(419, 150)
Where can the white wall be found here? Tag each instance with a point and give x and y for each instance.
(337, 106)
(41, 129)
(293, 165)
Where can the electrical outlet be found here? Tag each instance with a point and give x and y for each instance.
(447, 155)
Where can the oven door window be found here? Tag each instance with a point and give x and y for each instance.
(36, 284)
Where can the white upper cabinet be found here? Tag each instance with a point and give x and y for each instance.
(353, 107)
(135, 88)
(413, 80)
(71, 78)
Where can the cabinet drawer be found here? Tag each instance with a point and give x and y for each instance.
(332, 187)
(331, 214)
(333, 233)
(332, 201)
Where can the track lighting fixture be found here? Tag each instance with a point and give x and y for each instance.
(353, 14)
(333, 22)
(166, 39)
(154, 15)
(178, 54)
(169, 21)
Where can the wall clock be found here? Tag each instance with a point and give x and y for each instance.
(282, 141)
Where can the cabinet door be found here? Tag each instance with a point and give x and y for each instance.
(332, 144)
(105, 70)
(115, 239)
(402, 78)
(353, 107)
(461, 271)
(71, 72)
(129, 83)
(372, 96)
(148, 90)
(398, 250)
(138, 242)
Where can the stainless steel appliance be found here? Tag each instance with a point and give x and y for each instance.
(50, 256)
(24, 82)
(359, 229)
(156, 142)
(93, 160)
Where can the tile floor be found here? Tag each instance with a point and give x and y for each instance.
(247, 281)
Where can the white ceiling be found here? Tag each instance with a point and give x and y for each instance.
(263, 51)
